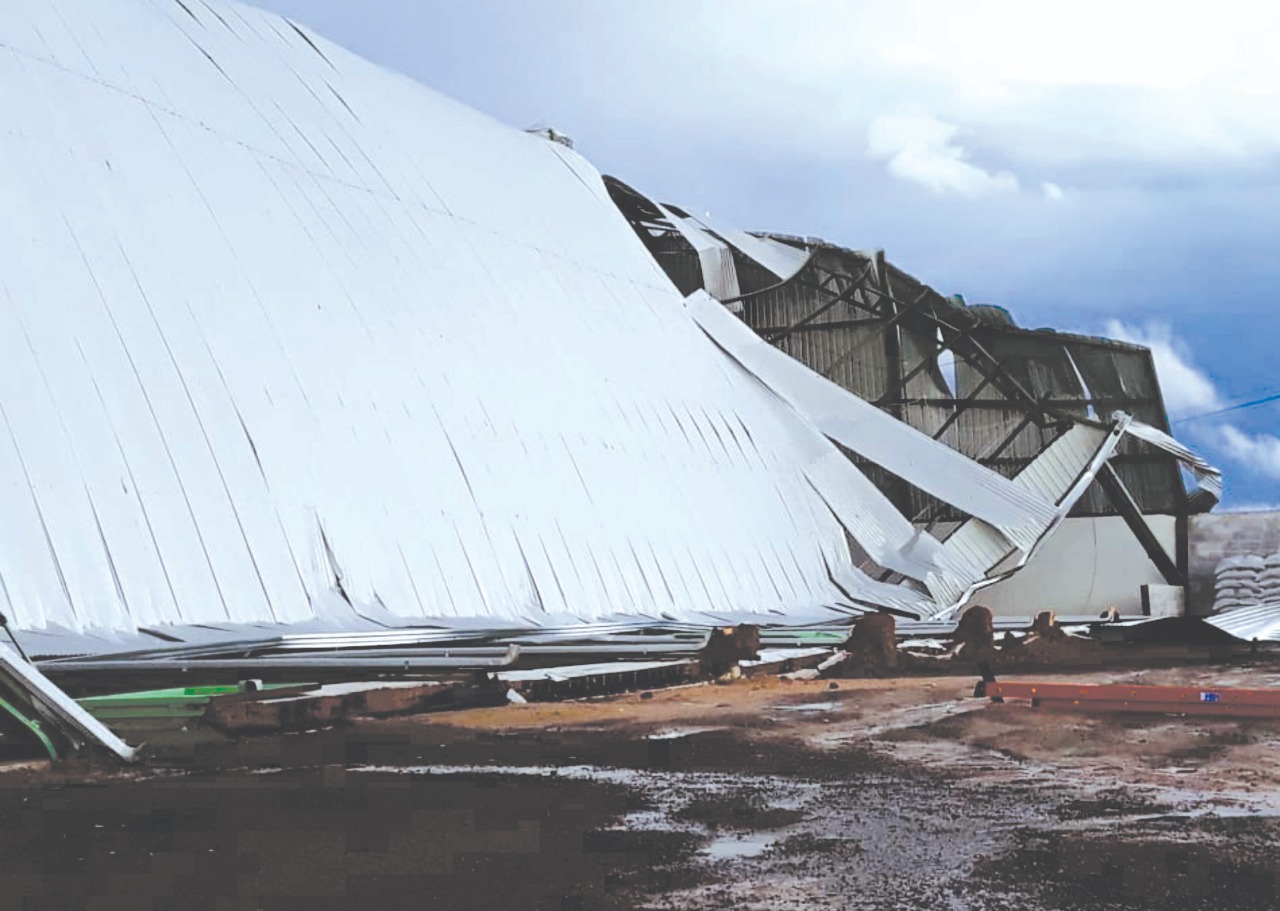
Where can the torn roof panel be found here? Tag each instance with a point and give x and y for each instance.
(783, 260)
(870, 432)
(975, 555)
(714, 256)
(1208, 478)
(851, 340)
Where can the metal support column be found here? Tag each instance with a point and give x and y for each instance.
(1120, 498)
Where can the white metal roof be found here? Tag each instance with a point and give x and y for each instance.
(286, 339)
(276, 321)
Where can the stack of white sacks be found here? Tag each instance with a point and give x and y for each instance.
(1247, 580)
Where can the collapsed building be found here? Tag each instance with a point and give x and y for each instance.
(307, 367)
(970, 377)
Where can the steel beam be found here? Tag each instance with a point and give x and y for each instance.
(899, 386)
(845, 296)
(1123, 501)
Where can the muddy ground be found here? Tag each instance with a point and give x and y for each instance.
(764, 794)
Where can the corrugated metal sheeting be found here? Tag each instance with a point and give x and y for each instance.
(291, 341)
(288, 338)
(1261, 622)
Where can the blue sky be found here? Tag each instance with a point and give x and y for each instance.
(1103, 167)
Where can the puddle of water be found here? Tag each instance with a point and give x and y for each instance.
(739, 846)
(652, 821)
(809, 707)
(682, 732)
(626, 777)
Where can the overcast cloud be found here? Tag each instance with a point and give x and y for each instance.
(1112, 165)
(1189, 393)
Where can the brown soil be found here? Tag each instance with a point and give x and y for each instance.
(889, 793)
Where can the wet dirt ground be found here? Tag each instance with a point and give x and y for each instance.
(762, 794)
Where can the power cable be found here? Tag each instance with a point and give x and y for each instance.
(1270, 397)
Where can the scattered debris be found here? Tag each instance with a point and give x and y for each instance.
(56, 720)
(307, 707)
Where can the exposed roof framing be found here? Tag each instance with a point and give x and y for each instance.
(879, 332)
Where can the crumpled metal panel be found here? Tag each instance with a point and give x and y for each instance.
(1063, 473)
(1060, 474)
(1208, 478)
(781, 259)
(866, 430)
(56, 707)
(1261, 622)
(287, 339)
(714, 256)
(989, 546)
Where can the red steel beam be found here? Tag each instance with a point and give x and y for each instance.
(1115, 697)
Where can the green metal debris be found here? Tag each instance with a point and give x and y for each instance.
(175, 703)
(32, 725)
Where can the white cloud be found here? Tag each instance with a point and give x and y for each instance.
(921, 149)
(1260, 452)
(1017, 43)
(1186, 388)
(1162, 86)
(1052, 191)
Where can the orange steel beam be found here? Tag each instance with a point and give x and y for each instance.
(1179, 700)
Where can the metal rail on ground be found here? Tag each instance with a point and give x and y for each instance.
(1221, 702)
